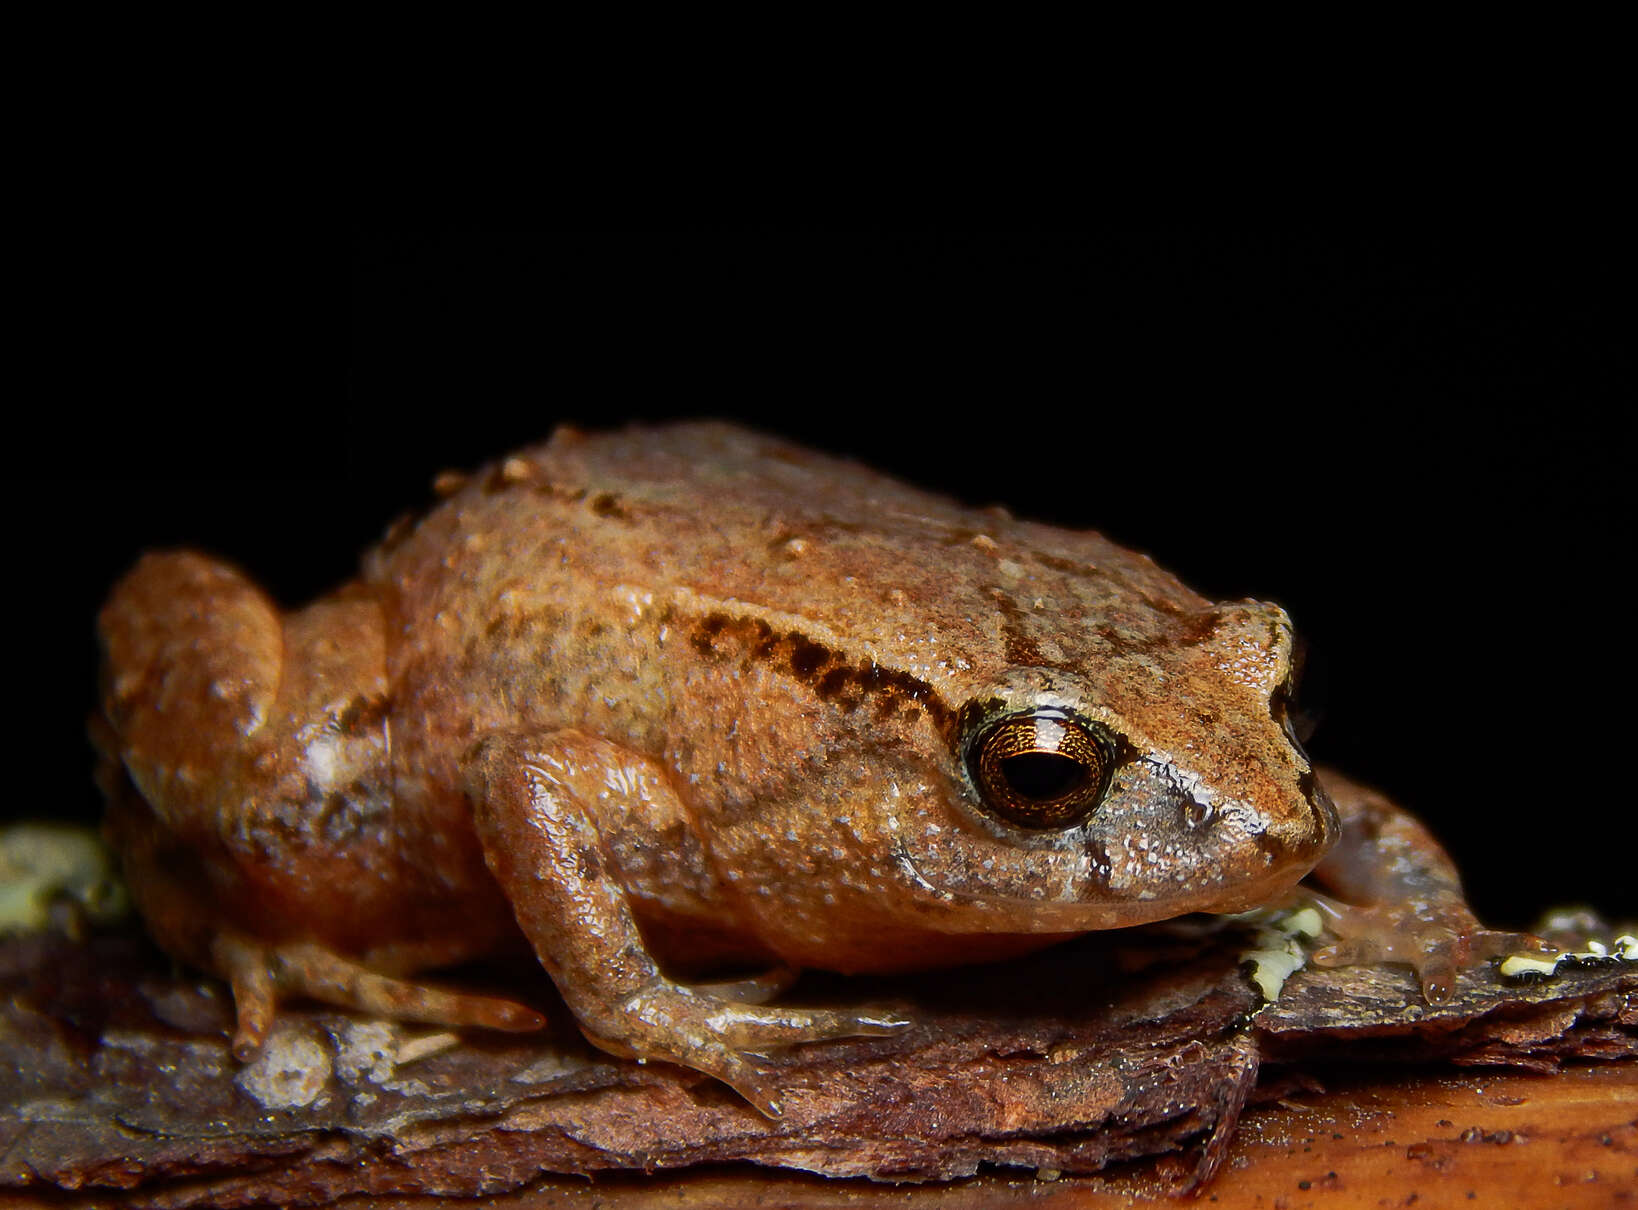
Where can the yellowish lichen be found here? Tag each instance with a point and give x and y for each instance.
(42, 864)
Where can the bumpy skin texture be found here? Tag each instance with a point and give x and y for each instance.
(664, 699)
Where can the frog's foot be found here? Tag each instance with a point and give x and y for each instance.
(1437, 936)
(721, 1037)
(260, 975)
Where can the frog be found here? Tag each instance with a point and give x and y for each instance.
(683, 710)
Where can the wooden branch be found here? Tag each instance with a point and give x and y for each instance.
(115, 1076)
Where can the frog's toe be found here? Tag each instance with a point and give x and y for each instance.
(260, 975)
(723, 1038)
(244, 964)
(754, 1027)
(1437, 975)
(752, 1083)
(1429, 957)
(321, 974)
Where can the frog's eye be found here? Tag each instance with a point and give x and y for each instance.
(1040, 770)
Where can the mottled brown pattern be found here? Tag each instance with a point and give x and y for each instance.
(608, 505)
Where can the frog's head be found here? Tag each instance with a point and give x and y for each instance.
(1158, 778)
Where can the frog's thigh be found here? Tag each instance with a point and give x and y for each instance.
(256, 738)
(192, 654)
(192, 657)
(534, 802)
(257, 743)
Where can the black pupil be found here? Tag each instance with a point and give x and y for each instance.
(1042, 775)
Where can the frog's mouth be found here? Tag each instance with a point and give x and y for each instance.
(966, 912)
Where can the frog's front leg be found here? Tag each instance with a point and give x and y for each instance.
(541, 803)
(1406, 903)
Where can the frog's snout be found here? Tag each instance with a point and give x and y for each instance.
(1300, 837)
(1327, 828)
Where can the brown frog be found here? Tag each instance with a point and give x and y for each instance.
(670, 699)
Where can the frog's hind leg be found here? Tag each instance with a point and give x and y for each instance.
(246, 757)
(171, 886)
(255, 747)
(260, 975)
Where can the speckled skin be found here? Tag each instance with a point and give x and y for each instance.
(670, 697)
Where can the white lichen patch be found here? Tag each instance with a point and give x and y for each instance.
(292, 1071)
(1530, 968)
(374, 1054)
(1279, 950)
(366, 1051)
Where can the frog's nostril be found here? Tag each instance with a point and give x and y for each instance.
(1196, 813)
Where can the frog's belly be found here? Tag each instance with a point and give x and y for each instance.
(894, 951)
(363, 899)
(691, 945)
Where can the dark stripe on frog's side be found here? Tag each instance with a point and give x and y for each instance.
(833, 678)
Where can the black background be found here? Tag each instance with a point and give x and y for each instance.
(1420, 444)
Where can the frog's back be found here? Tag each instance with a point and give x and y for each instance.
(590, 524)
